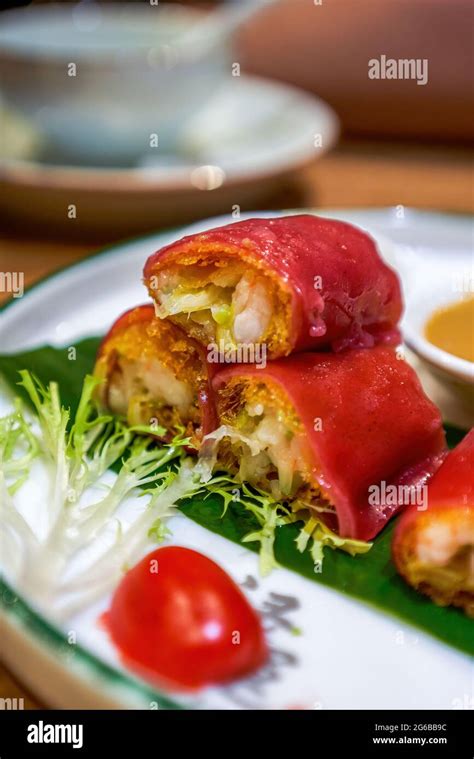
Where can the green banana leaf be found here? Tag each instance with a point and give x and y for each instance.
(370, 577)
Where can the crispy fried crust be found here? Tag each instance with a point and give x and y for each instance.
(239, 391)
(433, 549)
(450, 583)
(277, 337)
(138, 335)
(232, 398)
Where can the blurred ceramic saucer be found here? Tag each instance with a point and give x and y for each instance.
(249, 136)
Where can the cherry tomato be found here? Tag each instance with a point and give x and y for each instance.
(179, 619)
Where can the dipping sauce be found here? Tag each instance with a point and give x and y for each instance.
(451, 328)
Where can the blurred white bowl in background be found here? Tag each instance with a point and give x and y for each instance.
(99, 82)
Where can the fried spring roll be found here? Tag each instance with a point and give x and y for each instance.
(153, 372)
(294, 283)
(331, 432)
(434, 549)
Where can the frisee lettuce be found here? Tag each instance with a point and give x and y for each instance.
(271, 513)
(16, 437)
(128, 546)
(268, 512)
(77, 453)
(320, 535)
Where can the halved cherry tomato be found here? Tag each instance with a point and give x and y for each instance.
(179, 619)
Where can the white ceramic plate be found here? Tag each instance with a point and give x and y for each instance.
(347, 656)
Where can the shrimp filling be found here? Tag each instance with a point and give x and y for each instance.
(264, 445)
(151, 375)
(225, 301)
(145, 389)
(444, 559)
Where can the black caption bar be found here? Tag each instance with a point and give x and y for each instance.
(137, 733)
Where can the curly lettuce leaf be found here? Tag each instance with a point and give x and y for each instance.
(77, 452)
(271, 514)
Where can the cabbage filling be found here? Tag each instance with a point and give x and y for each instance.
(224, 301)
(262, 444)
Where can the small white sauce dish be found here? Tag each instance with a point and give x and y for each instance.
(433, 254)
(432, 288)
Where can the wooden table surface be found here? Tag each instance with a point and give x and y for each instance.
(356, 174)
